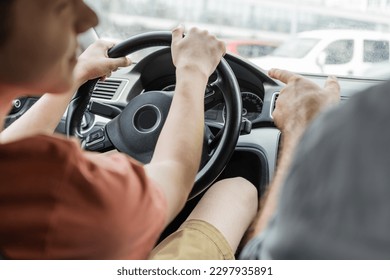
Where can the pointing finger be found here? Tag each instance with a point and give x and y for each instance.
(332, 84)
(282, 75)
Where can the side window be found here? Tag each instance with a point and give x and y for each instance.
(375, 51)
(339, 52)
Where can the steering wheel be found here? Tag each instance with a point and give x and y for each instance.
(136, 129)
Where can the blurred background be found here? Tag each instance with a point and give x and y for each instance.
(255, 28)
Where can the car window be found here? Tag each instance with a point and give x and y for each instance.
(339, 52)
(376, 51)
(284, 21)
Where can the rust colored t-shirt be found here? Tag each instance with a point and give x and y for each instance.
(59, 202)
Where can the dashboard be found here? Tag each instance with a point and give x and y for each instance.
(257, 89)
(252, 106)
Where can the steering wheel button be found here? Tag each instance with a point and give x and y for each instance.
(95, 137)
(90, 142)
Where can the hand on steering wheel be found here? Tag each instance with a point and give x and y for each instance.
(135, 131)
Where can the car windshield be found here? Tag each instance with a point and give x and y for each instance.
(296, 48)
(352, 36)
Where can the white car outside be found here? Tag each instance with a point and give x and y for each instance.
(338, 52)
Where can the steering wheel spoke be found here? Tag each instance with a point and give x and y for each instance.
(213, 95)
(213, 139)
(98, 141)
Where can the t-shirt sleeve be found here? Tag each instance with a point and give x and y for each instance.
(107, 208)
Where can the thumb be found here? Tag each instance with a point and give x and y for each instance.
(121, 61)
(177, 33)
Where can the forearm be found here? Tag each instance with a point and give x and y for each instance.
(177, 154)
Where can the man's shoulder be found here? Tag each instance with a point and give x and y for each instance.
(54, 146)
(369, 103)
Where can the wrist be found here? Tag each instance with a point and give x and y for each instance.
(79, 76)
(192, 73)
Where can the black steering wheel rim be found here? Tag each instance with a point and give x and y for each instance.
(232, 96)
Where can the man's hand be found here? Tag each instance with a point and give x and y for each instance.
(301, 100)
(198, 50)
(94, 62)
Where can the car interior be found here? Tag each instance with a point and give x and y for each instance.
(127, 110)
(240, 137)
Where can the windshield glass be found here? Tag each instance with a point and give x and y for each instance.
(296, 48)
(357, 30)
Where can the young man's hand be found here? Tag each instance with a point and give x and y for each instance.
(94, 62)
(198, 50)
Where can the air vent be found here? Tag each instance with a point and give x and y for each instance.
(106, 89)
(273, 101)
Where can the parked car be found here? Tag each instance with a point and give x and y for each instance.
(339, 52)
(251, 48)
